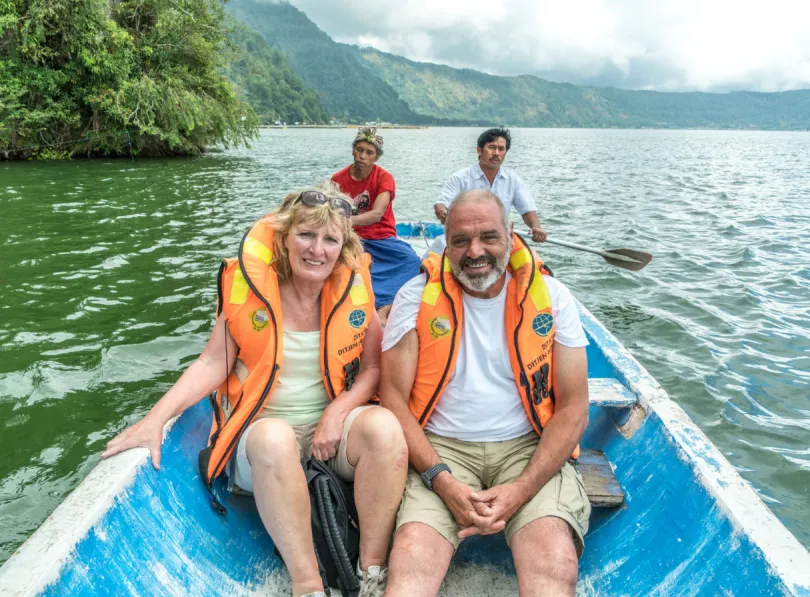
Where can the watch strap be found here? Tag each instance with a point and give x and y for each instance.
(430, 474)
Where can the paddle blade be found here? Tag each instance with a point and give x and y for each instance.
(627, 258)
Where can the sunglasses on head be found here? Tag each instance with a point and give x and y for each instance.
(316, 198)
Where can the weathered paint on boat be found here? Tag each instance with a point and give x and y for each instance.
(690, 525)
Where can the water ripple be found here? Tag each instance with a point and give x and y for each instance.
(108, 286)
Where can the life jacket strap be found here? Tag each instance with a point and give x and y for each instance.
(203, 459)
(217, 415)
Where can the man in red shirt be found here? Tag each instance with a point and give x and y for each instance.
(372, 187)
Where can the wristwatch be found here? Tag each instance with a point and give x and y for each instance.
(430, 474)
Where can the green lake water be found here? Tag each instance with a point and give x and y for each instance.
(107, 285)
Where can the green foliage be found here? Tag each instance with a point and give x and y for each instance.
(346, 88)
(468, 95)
(263, 77)
(106, 77)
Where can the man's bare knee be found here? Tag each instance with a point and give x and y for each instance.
(558, 563)
(416, 543)
(420, 542)
(545, 555)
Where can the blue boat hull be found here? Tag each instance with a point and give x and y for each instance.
(689, 525)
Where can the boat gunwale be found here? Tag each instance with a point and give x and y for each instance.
(38, 562)
(788, 559)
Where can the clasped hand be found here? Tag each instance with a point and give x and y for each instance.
(482, 512)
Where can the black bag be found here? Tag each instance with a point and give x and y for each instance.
(335, 527)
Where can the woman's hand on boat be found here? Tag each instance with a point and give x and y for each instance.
(146, 433)
(493, 509)
(327, 436)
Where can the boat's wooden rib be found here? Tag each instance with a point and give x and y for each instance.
(600, 482)
(610, 393)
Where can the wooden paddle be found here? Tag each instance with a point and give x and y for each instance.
(629, 259)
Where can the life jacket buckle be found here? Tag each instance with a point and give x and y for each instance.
(351, 370)
(540, 378)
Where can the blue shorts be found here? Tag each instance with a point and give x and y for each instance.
(393, 262)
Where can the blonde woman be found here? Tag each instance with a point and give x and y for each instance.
(297, 332)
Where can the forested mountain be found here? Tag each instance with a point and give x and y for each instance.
(469, 95)
(149, 77)
(95, 77)
(365, 84)
(349, 91)
(262, 76)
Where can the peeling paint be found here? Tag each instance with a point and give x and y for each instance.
(41, 558)
(789, 560)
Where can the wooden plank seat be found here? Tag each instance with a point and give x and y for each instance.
(609, 392)
(601, 486)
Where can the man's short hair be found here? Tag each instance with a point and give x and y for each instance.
(481, 195)
(489, 135)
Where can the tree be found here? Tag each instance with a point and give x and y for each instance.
(110, 77)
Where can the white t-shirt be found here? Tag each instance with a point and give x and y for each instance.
(481, 402)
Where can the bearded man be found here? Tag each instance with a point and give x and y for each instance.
(484, 365)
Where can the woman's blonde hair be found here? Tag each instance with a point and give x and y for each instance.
(293, 212)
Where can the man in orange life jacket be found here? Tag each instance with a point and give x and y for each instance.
(484, 366)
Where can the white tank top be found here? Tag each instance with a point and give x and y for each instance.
(299, 397)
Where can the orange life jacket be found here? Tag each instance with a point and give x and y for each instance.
(529, 326)
(248, 295)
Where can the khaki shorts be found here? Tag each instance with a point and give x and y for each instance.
(485, 464)
(304, 434)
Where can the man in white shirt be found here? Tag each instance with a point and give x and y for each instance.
(490, 423)
(490, 174)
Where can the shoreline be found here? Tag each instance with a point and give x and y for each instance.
(341, 126)
(571, 128)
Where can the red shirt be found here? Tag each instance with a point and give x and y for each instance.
(365, 193)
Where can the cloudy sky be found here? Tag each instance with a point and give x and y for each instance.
(673, 45)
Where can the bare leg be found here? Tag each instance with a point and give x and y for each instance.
(280, 489)
(376, 448)
(419, 561)
(382, 313)
(545, 558)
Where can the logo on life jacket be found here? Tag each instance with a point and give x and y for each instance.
(542, 324)
(439, 327)
(259, 319)
(357, 318)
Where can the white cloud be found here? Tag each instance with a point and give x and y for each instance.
(710, 45)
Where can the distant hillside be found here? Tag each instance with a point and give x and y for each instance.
(358, 85)
(264, 79)
(347, 89)
(469, 95)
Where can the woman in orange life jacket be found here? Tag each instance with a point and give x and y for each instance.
(300, 276)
